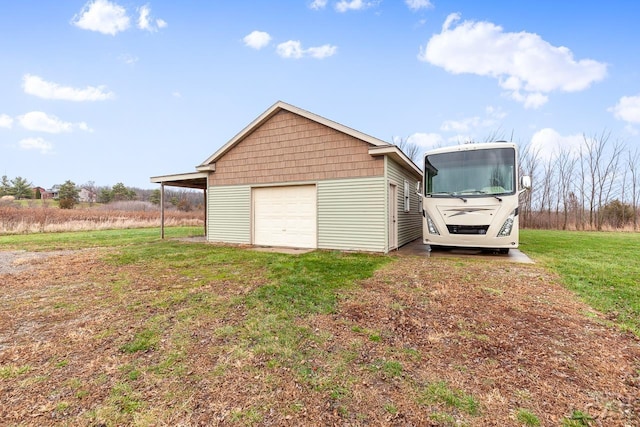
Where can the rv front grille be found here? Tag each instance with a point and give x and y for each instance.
(468, 229)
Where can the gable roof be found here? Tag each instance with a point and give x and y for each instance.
(273, 110)
(198, 179)
(379, 147)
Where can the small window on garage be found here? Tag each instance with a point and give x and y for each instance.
(407, 196)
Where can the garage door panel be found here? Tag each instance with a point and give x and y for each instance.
(285, 216)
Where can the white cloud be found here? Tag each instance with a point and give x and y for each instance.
(143, 18)
(102, 16)
(257, 39)
(464, 125)
(146, 23)
(42, 122)
(631, 130)
(418, 4)
(38, 144)
(318, 4)
(460, 131)
(426, 140)
(83, 126)
(548, 143)
(290, 49)
(627, 109)
(525, 65)
(35, 85)
(322, 52)
(495, 113)
(346, 5)
(128, 58)
(5, 121)
(469, 124)
(293, 49)
(531, 100)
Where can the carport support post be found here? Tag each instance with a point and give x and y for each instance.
(162, 210)
(204, 193)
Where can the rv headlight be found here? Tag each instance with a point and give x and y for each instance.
(507, 226)
(431, 225)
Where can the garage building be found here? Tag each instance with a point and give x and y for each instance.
(292, 178)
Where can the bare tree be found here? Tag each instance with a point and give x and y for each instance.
(496, 135)
(580, 214)
(580, 190)
(593, 153)
(575, 208)
(623, 187)
(607, 174)
(91, 191)
(565, 165)
(411, 150)
(548, 189)
(529, 161)
(602, 173)
(633, 161)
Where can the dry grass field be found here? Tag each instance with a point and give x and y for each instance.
(17, 219)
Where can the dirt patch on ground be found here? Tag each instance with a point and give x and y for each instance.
(423, 342)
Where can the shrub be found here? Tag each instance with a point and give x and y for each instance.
(69, 195)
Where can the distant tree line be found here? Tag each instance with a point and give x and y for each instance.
(68, 194)
(17, 187)
(595, 186)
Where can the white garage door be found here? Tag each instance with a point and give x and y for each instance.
(285, 216)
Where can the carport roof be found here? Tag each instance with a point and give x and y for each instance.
(186, 180)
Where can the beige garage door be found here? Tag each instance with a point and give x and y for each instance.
(285, 216)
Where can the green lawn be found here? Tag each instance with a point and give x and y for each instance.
(144, 331)
(602, 268)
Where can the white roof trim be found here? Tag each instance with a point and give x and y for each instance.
(275, 108)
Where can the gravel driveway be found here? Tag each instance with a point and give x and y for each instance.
(12, 262)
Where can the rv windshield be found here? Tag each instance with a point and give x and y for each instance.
(471, 173)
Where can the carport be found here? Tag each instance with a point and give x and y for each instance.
(197, 180)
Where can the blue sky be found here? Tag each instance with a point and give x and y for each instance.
(120, 90)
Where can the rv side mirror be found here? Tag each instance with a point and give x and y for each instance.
(525, 182)
(418, 188)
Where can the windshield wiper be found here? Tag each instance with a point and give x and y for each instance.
(446, 193)
(483, 192)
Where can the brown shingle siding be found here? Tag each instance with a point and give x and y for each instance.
(288, 147)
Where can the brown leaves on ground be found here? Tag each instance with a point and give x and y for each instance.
(426, 341)
(507, 335)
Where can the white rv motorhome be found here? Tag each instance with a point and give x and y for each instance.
(470, 196)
